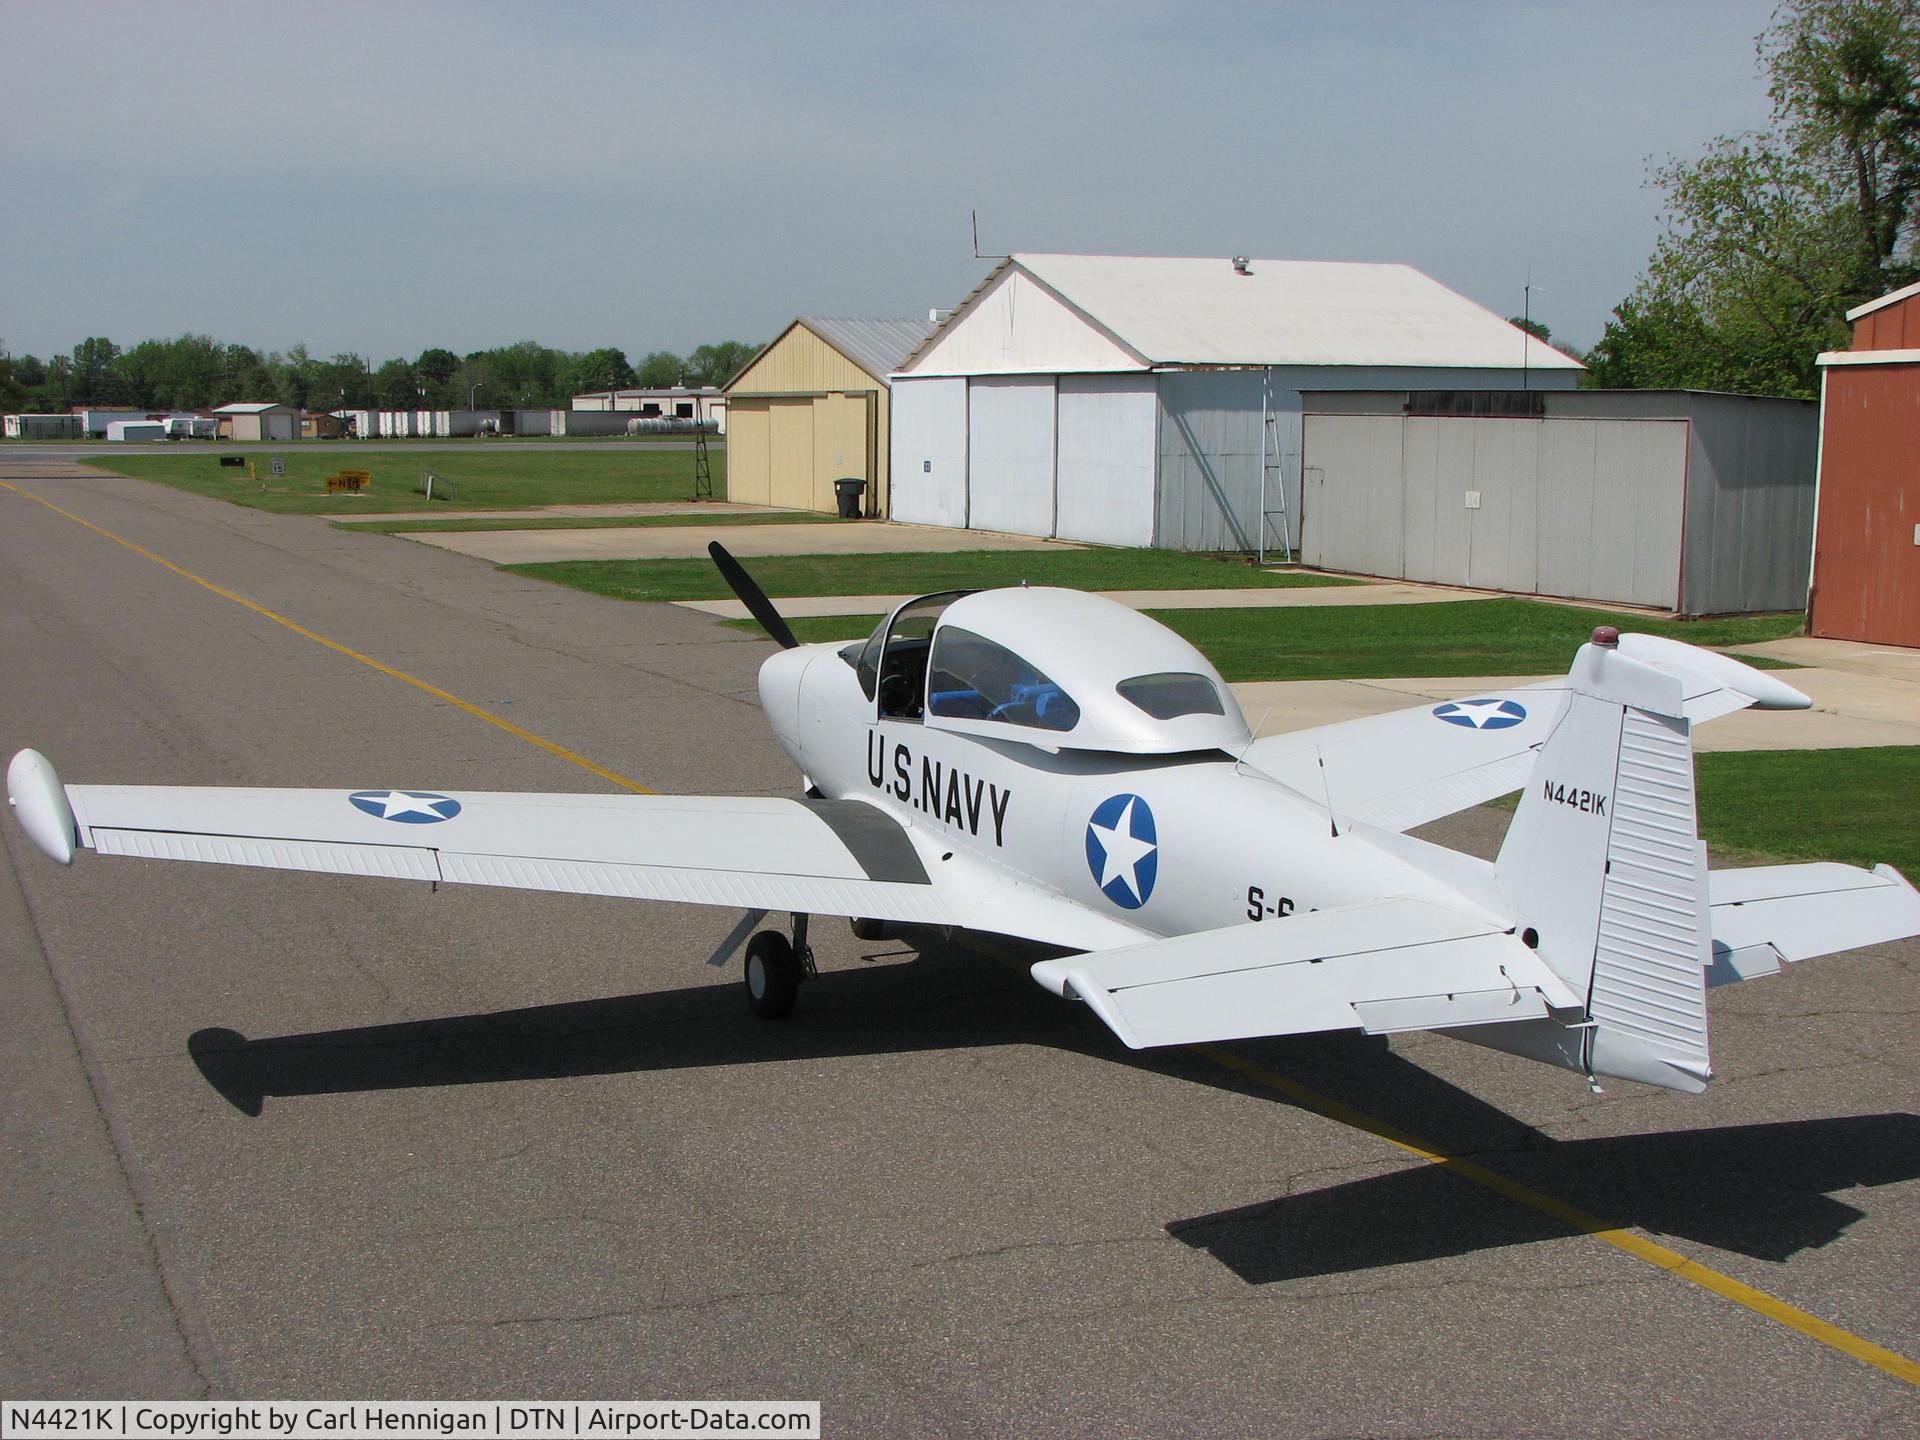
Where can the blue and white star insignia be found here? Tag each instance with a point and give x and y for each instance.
(1482, 714)
(1123, 850)
(409, 807)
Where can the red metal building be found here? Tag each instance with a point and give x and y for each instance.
(1866, 538)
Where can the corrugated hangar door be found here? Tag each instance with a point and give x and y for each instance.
(840, 446)
(1106, 453)
(790, 453)
(749, 433)
(1589, 509)
(1010, 431)
(928, 421)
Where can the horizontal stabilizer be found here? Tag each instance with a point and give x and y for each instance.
(1773, 913)
(1395, 965)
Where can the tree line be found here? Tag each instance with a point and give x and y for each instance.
(195, 372)
(1771, 237)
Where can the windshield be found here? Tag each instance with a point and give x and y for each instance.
(893, 662)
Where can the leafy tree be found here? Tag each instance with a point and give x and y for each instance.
(436, 366)
(13, 392)
(1771, 237)
(660, 369)
(181, 374)
(244, 376)
(397, 386)
(1532, 327)
(1846, 90)
(717, 364)
(96, 376)
(598, 370)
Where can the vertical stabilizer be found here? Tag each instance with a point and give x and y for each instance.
(1604, 866)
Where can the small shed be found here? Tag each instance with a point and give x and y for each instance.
(814, 407)
(258, 421)
(1146, 400)
(131, 430)
(1866, 548)
(1696, 503)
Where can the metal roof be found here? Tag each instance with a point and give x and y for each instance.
(257, 408)
(876, 346)
(1205, 311)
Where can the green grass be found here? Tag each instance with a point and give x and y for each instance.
(1854, 806)
(496, 480)
(427, 526)
(1767, 807)
(917, 574)
(1463, 637)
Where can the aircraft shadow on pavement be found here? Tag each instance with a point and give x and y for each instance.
(1759, 1190)
(938, 1001)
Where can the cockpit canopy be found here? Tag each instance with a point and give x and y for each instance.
(1058, 668)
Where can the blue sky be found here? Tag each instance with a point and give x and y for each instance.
(385, 177)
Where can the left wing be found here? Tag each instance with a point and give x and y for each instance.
(1389, 966)
(833, 857)
(812, 857)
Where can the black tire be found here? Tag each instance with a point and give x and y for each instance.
(773, 975)
(864, 929)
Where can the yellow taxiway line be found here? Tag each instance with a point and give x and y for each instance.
(571, 757)
(1658, 1256)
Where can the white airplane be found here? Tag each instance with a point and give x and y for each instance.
(1048, 765)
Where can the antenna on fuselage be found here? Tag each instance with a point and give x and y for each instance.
(1326, 789)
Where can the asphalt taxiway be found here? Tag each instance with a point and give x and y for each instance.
(302, 1136)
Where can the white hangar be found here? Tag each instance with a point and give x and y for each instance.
(1134, 400)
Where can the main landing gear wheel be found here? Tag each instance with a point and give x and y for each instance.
(864, 929)
(773, 975)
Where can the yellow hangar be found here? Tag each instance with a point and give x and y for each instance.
(812, 409)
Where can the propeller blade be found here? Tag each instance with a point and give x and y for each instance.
(752, 596)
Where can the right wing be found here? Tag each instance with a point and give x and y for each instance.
(1406, 767)
(1389, 966)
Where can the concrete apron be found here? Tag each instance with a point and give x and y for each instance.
(1249, 599)
(529, 547)
(1851, 707)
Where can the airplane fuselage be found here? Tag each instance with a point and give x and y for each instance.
(1164, 845)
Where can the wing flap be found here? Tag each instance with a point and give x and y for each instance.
(1395, 965)
(391, 862)
(1801, 911)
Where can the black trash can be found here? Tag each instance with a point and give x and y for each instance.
(848, 492)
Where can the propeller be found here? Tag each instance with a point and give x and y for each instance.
(752, 596)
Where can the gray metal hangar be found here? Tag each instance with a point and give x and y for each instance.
(1133, 400)
(811, 408)
(1679, 500)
